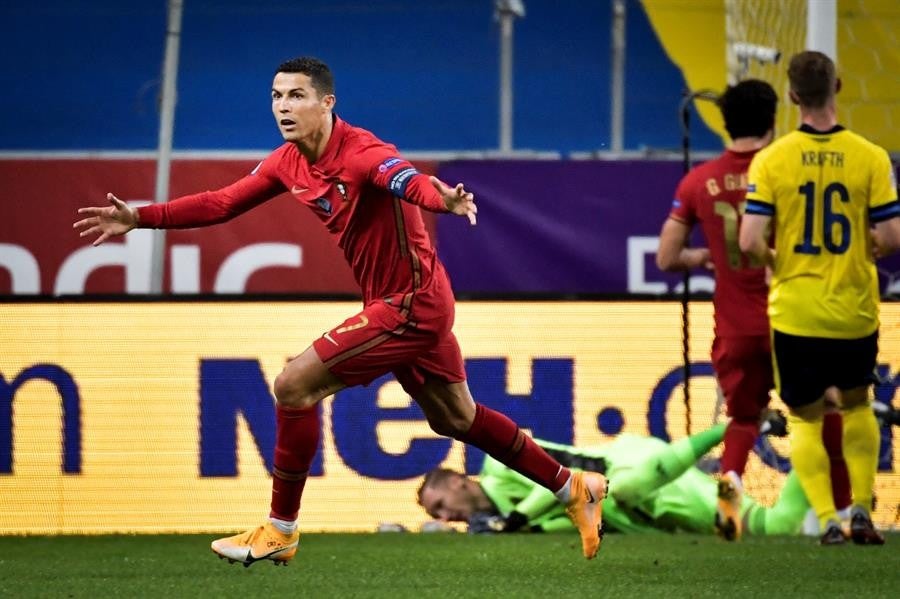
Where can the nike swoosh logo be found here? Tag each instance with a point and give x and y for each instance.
(252, 558)
(298, 190)
(328, 336)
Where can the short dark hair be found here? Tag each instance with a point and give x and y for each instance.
(813, 76)
(318, 72)
(748, 108)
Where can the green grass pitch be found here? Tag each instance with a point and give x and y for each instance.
(450, 565)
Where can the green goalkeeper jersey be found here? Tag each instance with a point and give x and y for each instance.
(687, 503)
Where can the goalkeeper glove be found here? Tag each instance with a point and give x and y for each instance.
(485, 522)
(514, 521)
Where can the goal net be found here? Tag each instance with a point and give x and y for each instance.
(760, 37)
(862, 36)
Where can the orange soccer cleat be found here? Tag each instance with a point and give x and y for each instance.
(260, 543)
(585, 508)
(728, 511)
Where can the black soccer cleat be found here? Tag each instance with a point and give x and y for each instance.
(833, 535)
(863, 532)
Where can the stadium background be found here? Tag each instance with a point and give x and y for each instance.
(113, 411)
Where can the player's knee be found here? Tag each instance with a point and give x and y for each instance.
(450, 409)
(449, 426)
(290, 393)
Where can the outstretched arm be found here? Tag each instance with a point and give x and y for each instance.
(385, 168)
(108, 221)
(197, 210)
(438, 197)
(660, 463)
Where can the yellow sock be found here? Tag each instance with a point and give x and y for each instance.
(810, 462)
(861, 441)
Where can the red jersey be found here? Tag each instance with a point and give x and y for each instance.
(356, 188)
(713, 194)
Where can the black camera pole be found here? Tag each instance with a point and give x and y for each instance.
(684, 111)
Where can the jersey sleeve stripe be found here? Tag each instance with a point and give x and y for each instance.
(882, 213)
(757, 207)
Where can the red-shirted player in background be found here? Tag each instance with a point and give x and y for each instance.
(368, 197)
(713, 195)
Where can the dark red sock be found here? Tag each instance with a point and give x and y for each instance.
(296, 440)
(832, 438)
(499, 437)
(740, 436)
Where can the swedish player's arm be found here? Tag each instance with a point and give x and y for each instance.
(752, 238)
(886, 237)
(758, 213)
(884, 208)
(673, 254)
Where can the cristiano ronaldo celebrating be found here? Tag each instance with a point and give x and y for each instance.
(369, 199)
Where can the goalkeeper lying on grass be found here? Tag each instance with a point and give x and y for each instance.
(653, 486)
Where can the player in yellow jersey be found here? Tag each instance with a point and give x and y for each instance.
(822, 188)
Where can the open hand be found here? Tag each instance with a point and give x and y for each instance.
(108, 221)
(457, 199)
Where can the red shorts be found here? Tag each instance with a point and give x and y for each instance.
(743, 368)
(382, 338)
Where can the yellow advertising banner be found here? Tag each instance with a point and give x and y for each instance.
(158, 417)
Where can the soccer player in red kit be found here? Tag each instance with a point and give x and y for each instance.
(713, 195)
(369, 199)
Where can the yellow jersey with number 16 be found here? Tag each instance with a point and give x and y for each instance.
(822, 190)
